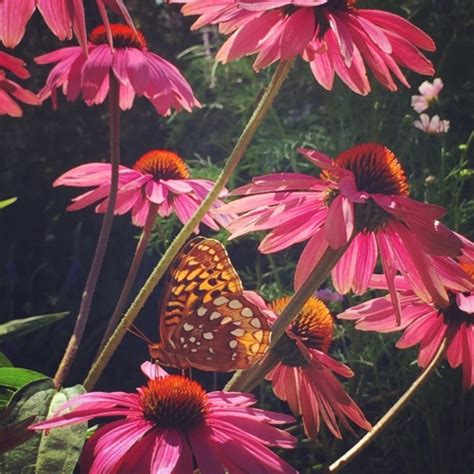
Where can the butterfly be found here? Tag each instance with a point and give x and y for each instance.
(206, 321)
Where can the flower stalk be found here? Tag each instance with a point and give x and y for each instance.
(248, 133)
(89, 289)
(248, 380)
(131, 276)
(346, 458)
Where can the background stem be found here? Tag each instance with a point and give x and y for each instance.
(132, 274)
(250, 129)
(391, 414)
(89, 289)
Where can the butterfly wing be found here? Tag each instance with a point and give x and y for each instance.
(198, 274)
(226, 333)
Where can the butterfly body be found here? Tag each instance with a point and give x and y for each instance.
(207, 321)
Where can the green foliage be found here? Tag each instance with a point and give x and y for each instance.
(12, 379)
(57, 451)
(20, 327)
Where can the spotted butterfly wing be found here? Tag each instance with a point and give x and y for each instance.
(206, 322)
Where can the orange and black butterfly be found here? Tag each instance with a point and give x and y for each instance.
(206, 321)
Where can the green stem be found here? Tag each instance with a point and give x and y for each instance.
(96, 265)
(248, 380)
(251, 128)
(391, 414)
(132, 274)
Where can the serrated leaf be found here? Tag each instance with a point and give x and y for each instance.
(15, 434)
(25, 403)
(7, 202)
(19, 327)
(59, 450)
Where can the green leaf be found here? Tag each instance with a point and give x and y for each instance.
(15, 377)
(7, 202)
(12, 379)
(19, 327)
(59, 450)
(4, 361)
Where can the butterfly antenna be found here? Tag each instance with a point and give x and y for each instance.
(136, 332)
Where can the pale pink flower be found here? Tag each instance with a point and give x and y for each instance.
(328, 296)
(172, 425)
(159, 178)
(305, 377)
(429, 93)
(362, 194)
(334, 36)
(10, 90)
(63, 17)
(426, 324)
(137, 70)
(433, 125)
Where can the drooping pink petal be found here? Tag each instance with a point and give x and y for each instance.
(339, 222)
(355, 268)
(309, 258)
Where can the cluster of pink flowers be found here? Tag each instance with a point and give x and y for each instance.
(429, 95)
(334, 36)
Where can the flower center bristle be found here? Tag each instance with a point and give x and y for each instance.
(123, 37)
(314, 326)
(469, 269)
(174, 402)
(376, 169)
(162, 164)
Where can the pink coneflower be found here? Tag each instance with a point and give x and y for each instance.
(429, 93)
(137, 70)
(427, 325)
(334, 36)
(173, 425)
(63, 17)
(160, 178)
(10, 90)
(362, 194)
(433, 125)
(305, 376)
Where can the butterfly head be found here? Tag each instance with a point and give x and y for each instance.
(159, 353)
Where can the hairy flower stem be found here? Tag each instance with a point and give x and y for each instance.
(391, 414)
(132, 274)
(89, 289)
(248, 380)
(250, 129)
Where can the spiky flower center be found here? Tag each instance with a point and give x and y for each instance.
(122, 35)
(331, 5)
(162, 164)
(313, 326)
(376, 170)
(174, 402)
(469, 269)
